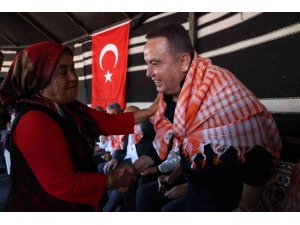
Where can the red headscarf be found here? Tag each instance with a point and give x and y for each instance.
(31, 70)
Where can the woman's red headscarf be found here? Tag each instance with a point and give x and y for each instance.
(31, 70)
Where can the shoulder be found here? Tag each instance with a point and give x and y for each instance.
(35, 118)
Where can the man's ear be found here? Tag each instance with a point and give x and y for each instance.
(185, 61)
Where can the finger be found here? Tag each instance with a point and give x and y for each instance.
(122, 190)
(170, 194)
(167, 194)
(105, 167)
(160, 181)
(109, 167)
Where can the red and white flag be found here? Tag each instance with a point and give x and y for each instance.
(109, 67)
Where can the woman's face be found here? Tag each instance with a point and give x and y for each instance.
(64, 82)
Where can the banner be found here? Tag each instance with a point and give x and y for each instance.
(109, 66)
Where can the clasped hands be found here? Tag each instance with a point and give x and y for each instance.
(122, 178)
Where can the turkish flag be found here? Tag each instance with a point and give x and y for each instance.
(109, 66)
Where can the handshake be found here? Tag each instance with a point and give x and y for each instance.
(122, 178)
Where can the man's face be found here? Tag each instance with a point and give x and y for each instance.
(163, 68)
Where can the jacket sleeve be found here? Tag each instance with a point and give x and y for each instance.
(108, 124)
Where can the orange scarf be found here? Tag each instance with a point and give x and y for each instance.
(117, 141)
(215, 108)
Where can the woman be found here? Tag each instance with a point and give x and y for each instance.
(53, 135)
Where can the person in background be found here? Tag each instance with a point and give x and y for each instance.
(226, 138)
(99, 108)
(113, 108)
(106, 144)
(53, 135)
(132, 146)
(111, 144)
(4, 125)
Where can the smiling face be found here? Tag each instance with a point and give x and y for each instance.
(164, 69)
(64, 82)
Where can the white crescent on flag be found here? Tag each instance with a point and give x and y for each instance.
(107, 48)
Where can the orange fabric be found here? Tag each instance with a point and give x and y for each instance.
(138, 134)
(215, 108)
(117, 141)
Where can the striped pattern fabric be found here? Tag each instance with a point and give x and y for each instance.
(117, 141)
(138, 134)
(291, 202)
(215, 108)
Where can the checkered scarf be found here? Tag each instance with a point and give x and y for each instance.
(215, 108)
(117, 141)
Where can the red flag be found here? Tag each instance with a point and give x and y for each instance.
(109, 66)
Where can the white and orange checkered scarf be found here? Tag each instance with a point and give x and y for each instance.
(117, 141)
(215, 108)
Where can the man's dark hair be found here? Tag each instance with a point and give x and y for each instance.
(116, 106)
(1, 56)
(178, 38)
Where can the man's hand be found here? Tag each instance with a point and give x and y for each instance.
(150, 170)
(111, 165)
(177, 191)
(163, 183)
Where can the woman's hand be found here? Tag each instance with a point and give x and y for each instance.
(122, 178)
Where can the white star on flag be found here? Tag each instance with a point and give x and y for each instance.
(108, 76)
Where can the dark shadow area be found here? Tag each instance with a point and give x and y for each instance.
(4, 189)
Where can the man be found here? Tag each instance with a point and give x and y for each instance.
(131, 147)
(113, 108)
(225, 136)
